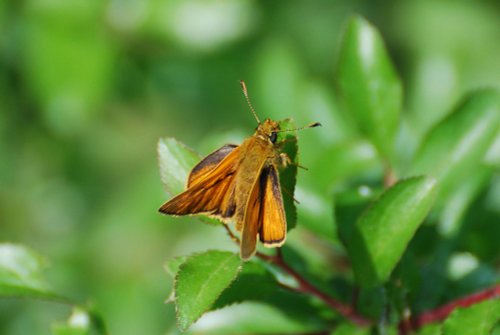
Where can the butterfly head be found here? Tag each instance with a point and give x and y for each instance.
(269, 130)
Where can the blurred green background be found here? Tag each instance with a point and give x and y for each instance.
(88, 87)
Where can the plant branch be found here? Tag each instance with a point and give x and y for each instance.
(440, 313)
(306, 287)
(406, 325)
(389, 176)
(231, 235)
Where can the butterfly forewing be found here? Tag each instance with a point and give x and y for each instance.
(212, 185)
(208, 164)
(251, 222)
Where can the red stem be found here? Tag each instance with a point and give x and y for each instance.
(440, 313)
(306, 287)
(406, 325)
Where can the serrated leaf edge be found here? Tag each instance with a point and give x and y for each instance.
(160, 142)
(238, 271)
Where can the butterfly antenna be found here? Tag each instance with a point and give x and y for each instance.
(245, 92)
(312, 125)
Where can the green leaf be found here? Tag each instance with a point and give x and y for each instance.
(454, 148)
(318, 104)
(315, 212)
(381, 234)
(348, 206)
(432, 329)
(343, 160)
(200, 281)
(340, 161)
(368, 84)
(457, 203)
(80, 322)
(478, 319)
(253, 283)
(350, 329)
(288, 175)
(63, 329)
(492, 157)
(252, 318)
(176, 161)
(256, 283)
(21, 273)
(372, 302)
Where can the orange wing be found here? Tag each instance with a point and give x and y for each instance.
(264, 215)
(207, 164)
(272, 230)
(210, 188)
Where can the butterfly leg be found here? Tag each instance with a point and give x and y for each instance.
(285, 161)
(302, 167)
(290, 195)
(288, 140)
(231, 234)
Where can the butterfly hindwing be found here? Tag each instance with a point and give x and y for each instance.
(272, 228)
(264, 215)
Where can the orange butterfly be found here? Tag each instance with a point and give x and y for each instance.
(241, 184)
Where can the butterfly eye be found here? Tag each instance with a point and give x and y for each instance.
(273, 137)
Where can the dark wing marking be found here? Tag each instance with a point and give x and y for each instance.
(207, 164)
(272, 230)
(212, 193)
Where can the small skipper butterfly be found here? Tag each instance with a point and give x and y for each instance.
(241, 184)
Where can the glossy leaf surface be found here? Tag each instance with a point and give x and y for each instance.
(381, 234)
(478, 319)
(369, 85)
(21, 273)
(455, 147)
(199, 282)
